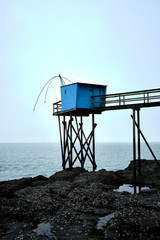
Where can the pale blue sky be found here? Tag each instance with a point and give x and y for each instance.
(112, 42)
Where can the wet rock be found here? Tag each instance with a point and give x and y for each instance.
(67, 174)
(71, 204)
(150, 173)
(7, 188)
(135, 223)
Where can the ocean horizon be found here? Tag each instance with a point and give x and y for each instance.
(18, 160)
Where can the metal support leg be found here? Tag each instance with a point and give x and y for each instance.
(134, 146)
(146, 143)
(72, 133)
(64, 142)
(93, 126)
(60, 134)
(82, 157)
(139, 143)
(70, 159)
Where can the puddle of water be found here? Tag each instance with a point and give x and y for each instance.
(103, 221)
(45, 229)
(130, 188)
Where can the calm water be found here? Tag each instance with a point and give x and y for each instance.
(19, 160)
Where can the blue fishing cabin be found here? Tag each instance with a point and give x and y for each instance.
(77, 96)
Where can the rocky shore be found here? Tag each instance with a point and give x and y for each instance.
(77, 205)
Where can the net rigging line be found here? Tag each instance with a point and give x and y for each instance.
(48, 83)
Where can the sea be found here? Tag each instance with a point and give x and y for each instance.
(19, 160)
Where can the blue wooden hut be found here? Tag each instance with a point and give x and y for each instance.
(78, 96)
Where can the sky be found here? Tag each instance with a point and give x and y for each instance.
(110, 42)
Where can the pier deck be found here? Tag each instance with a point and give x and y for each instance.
(117, 101)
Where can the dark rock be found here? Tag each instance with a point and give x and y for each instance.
(67, 174)
(150, 173)
(7, 188)
(149, 191)
(135, 223)
(70, 204)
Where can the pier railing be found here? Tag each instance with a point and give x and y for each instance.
(57, 107)
(126, 99)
